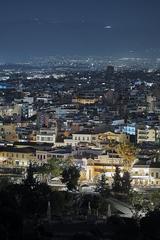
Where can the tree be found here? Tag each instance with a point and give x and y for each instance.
(32, 195)
(4, 183)
(102, 186)
(54, 167)
(140, 204)
(126, 183)
(30, 181)
(117, 181)
(70, 176)
(150, 225)
(154, 199)
(127, 152)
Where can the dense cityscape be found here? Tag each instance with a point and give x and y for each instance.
(79, 120)
(89, 139)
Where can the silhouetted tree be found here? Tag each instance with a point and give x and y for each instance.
(117, 181)
(123, 229)
(4, 183)
(70, 177)
(32, 195)
(102, 186)
(126, 183)
(30, 181)
(53, 167)
(150, 225)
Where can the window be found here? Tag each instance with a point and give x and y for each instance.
(152, 174)
(22, 155)
(157, 175)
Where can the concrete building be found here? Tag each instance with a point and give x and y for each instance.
(67, 109)
(116, 137)
(130, 129)
(19, 157)
(146, 175)
(146, 135)
(84, 137)
(46, 135)
(85, 101)
(104, 163)
(10, 110)
(8, 132)
(59, 153)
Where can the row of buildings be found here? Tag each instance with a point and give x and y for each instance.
(85, 116)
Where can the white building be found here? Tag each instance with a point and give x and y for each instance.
(47, 135)
(146, 175)
(146, 135)
(84, 137)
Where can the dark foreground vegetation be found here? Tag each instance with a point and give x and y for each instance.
(34, 211)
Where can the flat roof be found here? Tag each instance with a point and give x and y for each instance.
(17, 150)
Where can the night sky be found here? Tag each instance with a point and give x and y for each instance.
(121, 28)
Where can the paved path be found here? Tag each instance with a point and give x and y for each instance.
(125, 209)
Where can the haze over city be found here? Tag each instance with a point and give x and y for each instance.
(41, 28)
